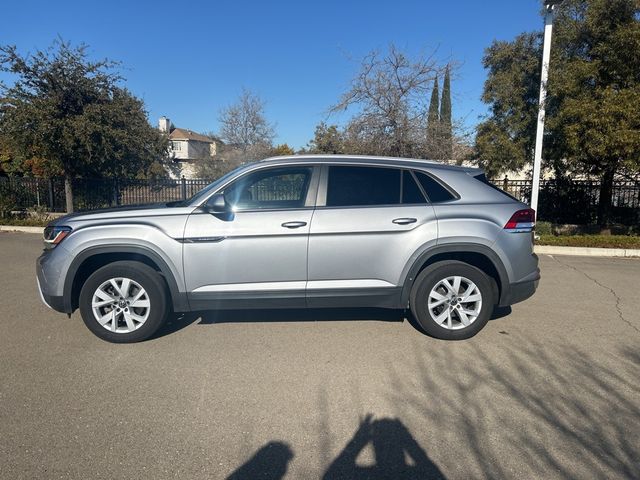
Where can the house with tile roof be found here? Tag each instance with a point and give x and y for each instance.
(187, 147)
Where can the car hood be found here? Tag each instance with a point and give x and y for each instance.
(127, 211)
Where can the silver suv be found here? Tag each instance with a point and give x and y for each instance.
(300, 231)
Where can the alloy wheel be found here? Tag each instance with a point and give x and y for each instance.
(121, 305)
(454, 302)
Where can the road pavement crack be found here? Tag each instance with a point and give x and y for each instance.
(606, 287)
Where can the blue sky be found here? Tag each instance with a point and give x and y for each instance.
(189, 59)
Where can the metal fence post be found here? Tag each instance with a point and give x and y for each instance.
(184, 188)
(50, 186)
(116, 196)
(38, 191)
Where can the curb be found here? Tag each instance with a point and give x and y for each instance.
(586, 251)
(18, 228)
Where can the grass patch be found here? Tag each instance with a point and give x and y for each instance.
(594, 241)
(24, 222)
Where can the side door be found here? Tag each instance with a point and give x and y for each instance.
(368, 223)
(254, 253)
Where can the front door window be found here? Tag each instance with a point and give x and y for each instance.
(275, 188)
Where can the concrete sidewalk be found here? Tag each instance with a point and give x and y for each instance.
(586, 251)
(19, 228)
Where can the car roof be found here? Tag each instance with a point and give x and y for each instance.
(366, 160)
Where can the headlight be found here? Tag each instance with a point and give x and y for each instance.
(53, 235)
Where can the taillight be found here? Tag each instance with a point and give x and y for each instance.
(53, 235)
(521, 221)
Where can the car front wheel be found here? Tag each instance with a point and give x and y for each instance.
(124, 302)
(452, 300)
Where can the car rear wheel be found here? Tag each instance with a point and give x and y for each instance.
(124, 302)
(452, 300)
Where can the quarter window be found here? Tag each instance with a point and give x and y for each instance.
(434, 190)
(281, 188)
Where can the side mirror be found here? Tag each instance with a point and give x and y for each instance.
(216, 204)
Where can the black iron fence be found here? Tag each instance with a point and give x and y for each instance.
(90, 194)
(576, 201)
(560, 201)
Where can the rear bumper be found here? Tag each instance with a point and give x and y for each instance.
(518, 292)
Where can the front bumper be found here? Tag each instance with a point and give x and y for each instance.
(48, 276)
(53, 302)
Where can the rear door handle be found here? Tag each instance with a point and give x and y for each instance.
(404, 221)
(294, 224)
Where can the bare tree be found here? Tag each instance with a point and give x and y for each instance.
(247, 134)
(390, 94)
(244, 124)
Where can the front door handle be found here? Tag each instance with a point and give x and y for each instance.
(404, 221)
(294, 224)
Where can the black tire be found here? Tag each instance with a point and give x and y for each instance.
(148, 279)
(433, 274)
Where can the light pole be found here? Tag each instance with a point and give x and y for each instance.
(550, 6)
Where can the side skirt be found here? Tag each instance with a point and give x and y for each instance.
(324, 298)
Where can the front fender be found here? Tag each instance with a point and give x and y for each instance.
(145, 240)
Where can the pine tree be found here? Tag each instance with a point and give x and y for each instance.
(446, 128)
(433, 124)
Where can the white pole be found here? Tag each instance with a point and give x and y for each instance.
(544, 76)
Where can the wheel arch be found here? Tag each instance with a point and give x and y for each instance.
(92, 258)
(477, 255)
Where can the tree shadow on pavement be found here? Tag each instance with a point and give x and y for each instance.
(540, 409)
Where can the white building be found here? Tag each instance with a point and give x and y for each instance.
(187, 147)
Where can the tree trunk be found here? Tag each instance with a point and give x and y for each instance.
(68, 194)
(606, 192)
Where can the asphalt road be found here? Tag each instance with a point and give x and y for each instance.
(551, 390)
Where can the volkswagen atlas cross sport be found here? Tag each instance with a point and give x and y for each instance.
(300, 231)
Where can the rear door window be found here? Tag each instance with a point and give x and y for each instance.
(411, 193)
(363, 186)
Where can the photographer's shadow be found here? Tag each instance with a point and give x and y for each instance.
(397, 455)
(268, 463)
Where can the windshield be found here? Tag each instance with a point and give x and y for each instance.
(204, 193)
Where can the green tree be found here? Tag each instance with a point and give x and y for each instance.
(446, 126)
(281, 150)
(327, 139)
(505, 140)
(8, 162)
(66, 115)
(593, 103)
(433, 123)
